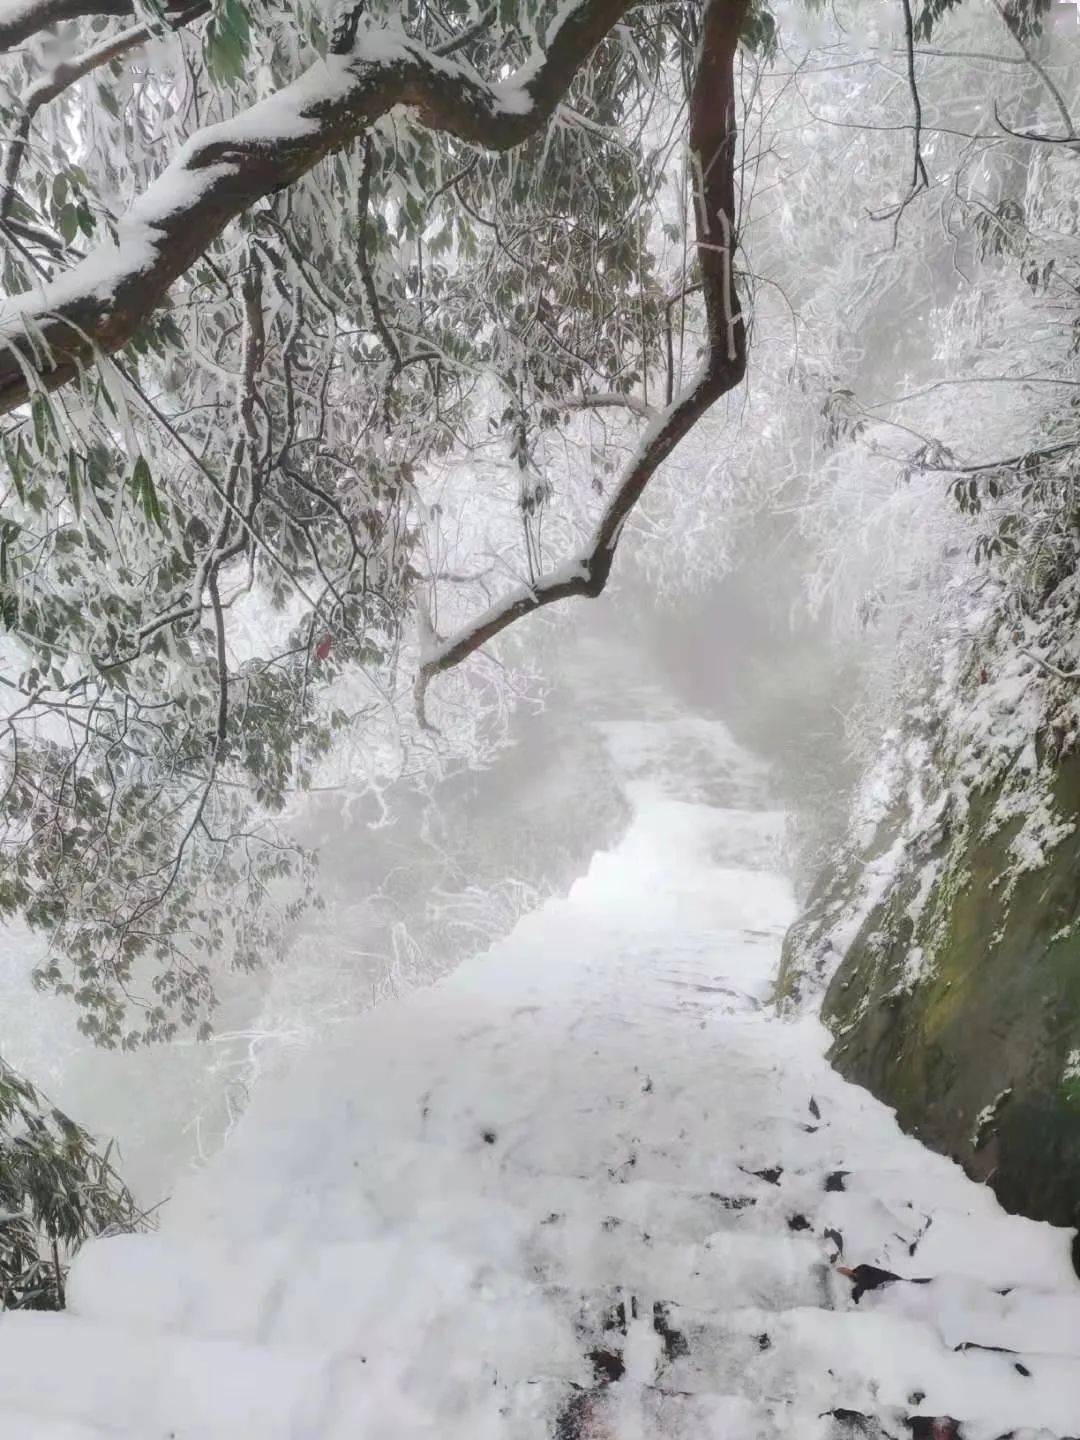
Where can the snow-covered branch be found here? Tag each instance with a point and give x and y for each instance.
(611, 400)
(712, 147)
(61, 77)
(225, 168)
(21, 19)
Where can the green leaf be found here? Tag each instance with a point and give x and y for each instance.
(41, 411)
(73, 481)
(145, 493)
(759, 31)
(8, 532)
(69, 223)
(14, 457)
(227, 41)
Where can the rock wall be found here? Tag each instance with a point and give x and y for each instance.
(945, 947)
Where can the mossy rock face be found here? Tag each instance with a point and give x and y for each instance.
(808, 954)
(971, 1041)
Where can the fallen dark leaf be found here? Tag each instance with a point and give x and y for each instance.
(608, 1365)
(771, 1176)
(871, 1277)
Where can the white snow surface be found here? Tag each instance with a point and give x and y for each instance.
(526, 1202)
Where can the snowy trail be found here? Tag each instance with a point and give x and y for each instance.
(588, 1187)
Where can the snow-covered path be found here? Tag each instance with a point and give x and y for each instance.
(589, 1188)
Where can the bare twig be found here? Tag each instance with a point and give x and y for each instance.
(1050, 669)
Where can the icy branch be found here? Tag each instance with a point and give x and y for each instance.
(610, 400)
(20, 19)
(225, 168)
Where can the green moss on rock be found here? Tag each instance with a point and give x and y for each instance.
(965, 1017)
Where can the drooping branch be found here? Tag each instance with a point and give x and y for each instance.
(20, 19)
(712, 152)
(60, 78)
(226, 168)
(1016, 31)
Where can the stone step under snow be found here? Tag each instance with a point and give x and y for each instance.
(587, 1188)
(63, 1368)
(283, 1291)
(23, 1425)
(863, 1360)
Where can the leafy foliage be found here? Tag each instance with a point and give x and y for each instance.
(759, 33)
(212, 547)
(1024, 17)
(56, 1190)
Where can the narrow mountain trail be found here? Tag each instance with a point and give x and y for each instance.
(588, 1187)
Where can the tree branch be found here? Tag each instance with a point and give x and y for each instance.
(1050, 669)
(60, 78)
(225, 168)
(712, 152)
(1040, 70)
(609, 400)
(920, 181)
(20, 19)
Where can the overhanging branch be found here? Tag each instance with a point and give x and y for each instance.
(610, 400)
(224, 169)
(20, 19)
(712, 151)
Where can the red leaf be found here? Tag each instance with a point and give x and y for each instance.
(322, 650)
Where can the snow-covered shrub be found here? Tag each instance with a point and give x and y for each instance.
(57, 1189)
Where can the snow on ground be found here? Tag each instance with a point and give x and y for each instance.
(588, 1187)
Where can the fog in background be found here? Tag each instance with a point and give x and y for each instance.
(446, 870)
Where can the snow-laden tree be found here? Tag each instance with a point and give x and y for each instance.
(904, 449)
(56, 1190)
(265, 269)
